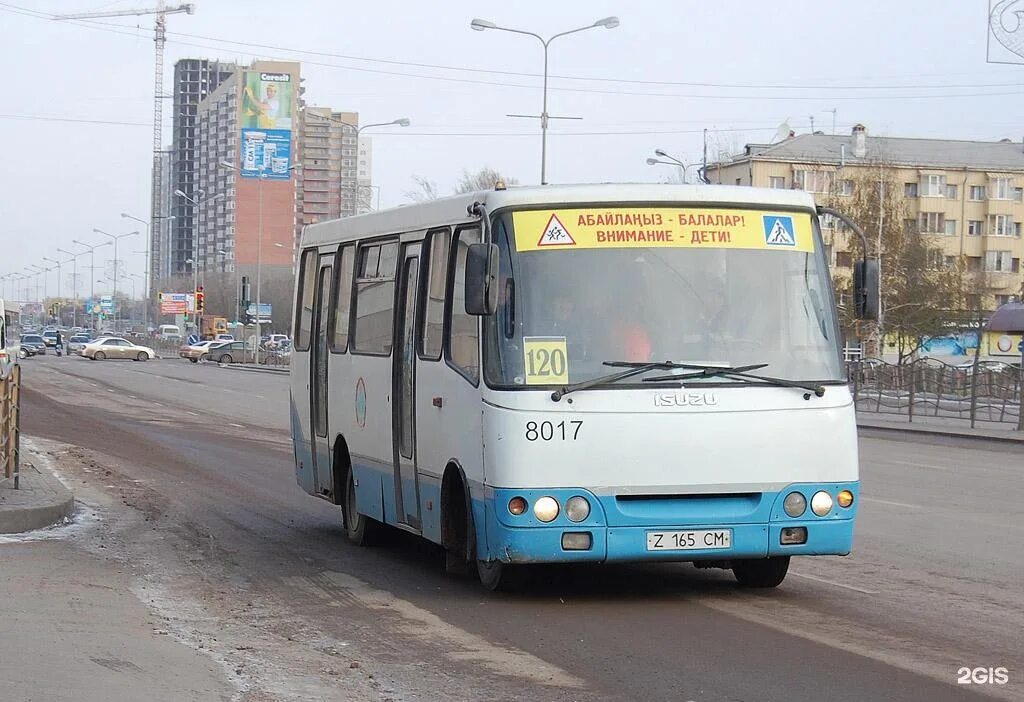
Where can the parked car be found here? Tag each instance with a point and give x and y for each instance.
(32, 345)
(224, 337)
(50, 337)
(229, 352)
(77, 343)
(273, 341)
(116, 347)
(194, 352)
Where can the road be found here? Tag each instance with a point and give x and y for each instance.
(189, 471)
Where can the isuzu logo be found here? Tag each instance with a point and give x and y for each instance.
(682, 398)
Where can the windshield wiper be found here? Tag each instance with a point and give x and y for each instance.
(741, 373)
(632, 369)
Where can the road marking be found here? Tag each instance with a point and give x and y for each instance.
(890, 502)
(830, 582)
(192, 413)
(157, 404)
(232, 424)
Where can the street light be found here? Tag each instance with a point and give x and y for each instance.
(401, 122)
(38, 272)
(92, 274)
(259, 239)
(672, 161)
(195, 230)
(74, 280)
(113, 295)
(480, 25)
(149, 292)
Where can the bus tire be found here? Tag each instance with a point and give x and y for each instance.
(457, 528)
(496, 576)
(761, 572)
(360, 529)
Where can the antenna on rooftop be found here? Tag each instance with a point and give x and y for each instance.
(782, 132)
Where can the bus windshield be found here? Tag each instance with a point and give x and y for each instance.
(744, 288)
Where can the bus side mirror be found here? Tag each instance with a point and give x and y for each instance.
(865, 290)
(482, 279)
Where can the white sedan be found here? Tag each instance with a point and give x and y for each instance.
(116, 347)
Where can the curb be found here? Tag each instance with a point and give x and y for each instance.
(60, 503)
(251, 368)
(1012, 440)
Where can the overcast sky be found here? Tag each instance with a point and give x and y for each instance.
(671, 69)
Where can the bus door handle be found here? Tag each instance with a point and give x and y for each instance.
(437, 402)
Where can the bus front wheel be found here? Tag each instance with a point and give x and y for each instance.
(761, 572)
(360, 529)
(497, 576)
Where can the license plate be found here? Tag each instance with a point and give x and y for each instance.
(689, 540)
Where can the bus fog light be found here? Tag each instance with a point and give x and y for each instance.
(821, 503)
(844, 499)
(576, 541)
(795, 504)
(517, 506)
(577, 508)
(793, 535)
(545, 509)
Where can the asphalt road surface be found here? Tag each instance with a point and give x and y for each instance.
(244, 566)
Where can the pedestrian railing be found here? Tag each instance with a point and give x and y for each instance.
(10, 424)
(927, 387)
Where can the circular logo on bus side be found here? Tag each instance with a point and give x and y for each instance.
(361, 403)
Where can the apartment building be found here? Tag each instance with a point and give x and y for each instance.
(194, 80)
(331, 181)
(969, 195)
(246, 214)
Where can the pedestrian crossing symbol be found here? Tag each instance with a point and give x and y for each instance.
(778, 231)
(555, 234)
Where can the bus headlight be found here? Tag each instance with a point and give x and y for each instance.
(517, 506)
(795, 504)
(821, 503)
(844, 499)
(577, 508)
(545, 509)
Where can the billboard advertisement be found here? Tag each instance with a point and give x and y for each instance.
(174, 303)
(107, 304)
(267, 152)
(265, 310)
(268, 104)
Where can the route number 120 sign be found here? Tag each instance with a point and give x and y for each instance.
(545, 360)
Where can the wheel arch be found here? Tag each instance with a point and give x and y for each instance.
(457, 512)
(341, 464)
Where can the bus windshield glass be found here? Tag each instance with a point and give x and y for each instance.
(582, 287)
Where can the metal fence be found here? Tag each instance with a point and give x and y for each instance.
(268, 357)
(927, 387)
(10, 424)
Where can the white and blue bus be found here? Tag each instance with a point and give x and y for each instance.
(591, 373)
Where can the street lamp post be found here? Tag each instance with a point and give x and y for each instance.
(401, 122)
(39, 272)
(480, 25)
(149, 292)
(74, 280)
(113, 295)
(92, 275)
(259, 241)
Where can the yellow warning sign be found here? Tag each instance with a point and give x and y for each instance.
(545, 360)
(663, 227)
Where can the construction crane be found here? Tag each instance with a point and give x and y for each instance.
(159, 38)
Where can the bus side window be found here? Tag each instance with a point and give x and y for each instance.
(432, 339)
(463, 337)
(304, 313)
(375, 299)
(342, 300)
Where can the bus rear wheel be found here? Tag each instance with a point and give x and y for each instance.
(360, 529)
(761, 572)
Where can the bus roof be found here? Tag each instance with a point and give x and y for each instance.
(449, 210)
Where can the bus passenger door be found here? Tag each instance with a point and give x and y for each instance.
(322, 475)
(404, 390)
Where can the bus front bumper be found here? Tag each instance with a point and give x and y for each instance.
(693, 528)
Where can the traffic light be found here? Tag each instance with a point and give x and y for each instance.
(200, 300)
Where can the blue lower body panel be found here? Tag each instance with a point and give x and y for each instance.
(618, 527)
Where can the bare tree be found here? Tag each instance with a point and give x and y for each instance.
(424, 190)
(920, 285)
(483, 179)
